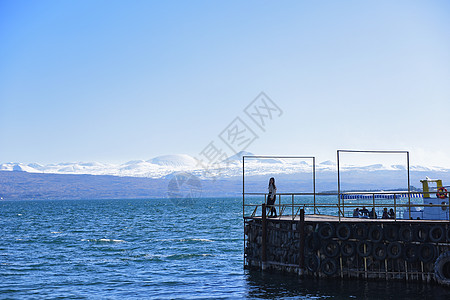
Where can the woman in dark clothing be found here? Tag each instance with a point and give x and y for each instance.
(271, 197)
(391, 214)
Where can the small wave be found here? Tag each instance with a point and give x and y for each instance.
(186, 240)
(186, 256)
(150, 257)
(55, 232)
(202, 240)
(143, 257)
(103, 240)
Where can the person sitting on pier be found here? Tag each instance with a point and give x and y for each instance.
(364, 212)
(271, 197)
(391, 214)
(385, 214)
(373, 214)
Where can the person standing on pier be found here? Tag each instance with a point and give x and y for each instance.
(372, 214)
(271, 197)
(385, 214)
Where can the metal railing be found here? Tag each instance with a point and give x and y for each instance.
(290, 204)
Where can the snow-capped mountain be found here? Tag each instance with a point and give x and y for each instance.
(163, 166)
(151, 178)
(178, 160)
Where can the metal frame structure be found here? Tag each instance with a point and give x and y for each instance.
(265, 156)
(340, 205)
(374, 152)
(276, 157)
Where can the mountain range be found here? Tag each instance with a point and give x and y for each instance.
(155, 177)
(163, 166)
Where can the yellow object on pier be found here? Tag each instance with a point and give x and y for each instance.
(426, 188)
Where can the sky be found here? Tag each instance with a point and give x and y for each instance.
(113, 81)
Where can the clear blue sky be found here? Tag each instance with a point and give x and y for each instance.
(112, 81)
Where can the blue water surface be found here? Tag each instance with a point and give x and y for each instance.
(155, 248)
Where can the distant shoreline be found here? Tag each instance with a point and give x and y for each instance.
(39, 186)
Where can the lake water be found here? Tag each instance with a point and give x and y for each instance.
(158, 249)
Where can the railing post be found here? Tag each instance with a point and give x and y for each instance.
(314, 183)
(293, 207)
(409, 186)
(279, 205)
(243, 186)
(395, 207)
(339, 186)
(301, 228)
(263, 239)
(373, 202)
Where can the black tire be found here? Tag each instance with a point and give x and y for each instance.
(343, 231)
(360, 231)
(391, 233)
(312, 263)
(410, 253)
(364, 248)
(312, 242)
(375, 233)
(379, 251)
(406, 233)
(326, 231)
(394, 250)
(348, 249)
(421, 233)
(442, 269)
(330, 248)
(437, 233)
(329, 266)
(448, 234)
(427, 253)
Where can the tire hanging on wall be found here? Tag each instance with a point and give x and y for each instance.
(326, 231)
(330, 248)
(442, 269)
(343, 231)
(312, 263)
(375, 233)
(348, 249)
(421, 233)
(379, 251)
(329, 266)
(437, 233)
(406, 233)
(426, 253)
(394, 250)
(448, 234)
